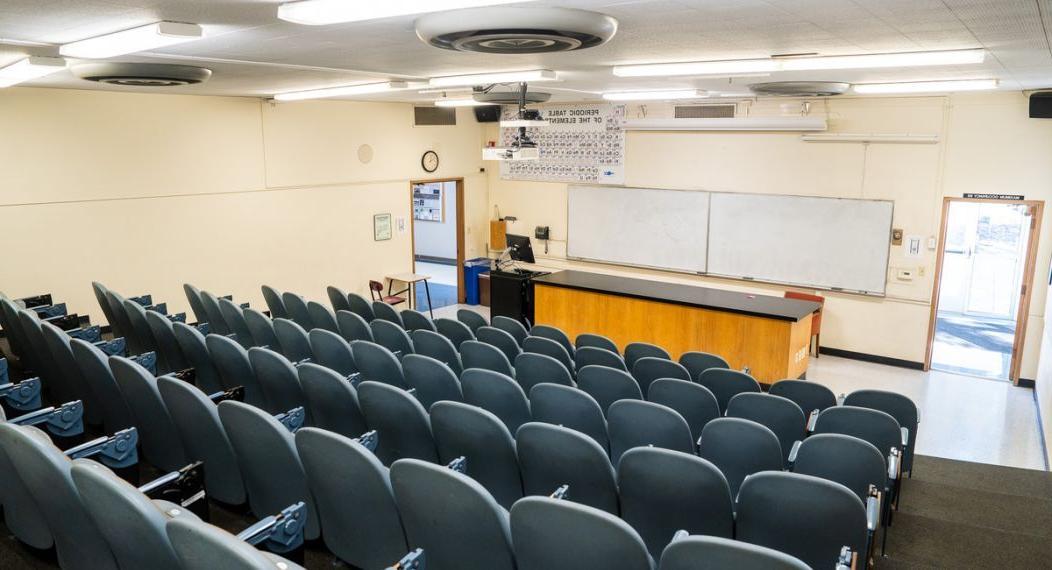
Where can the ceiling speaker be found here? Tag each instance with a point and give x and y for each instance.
(1041, 105)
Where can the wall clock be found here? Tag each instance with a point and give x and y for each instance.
(429, 161)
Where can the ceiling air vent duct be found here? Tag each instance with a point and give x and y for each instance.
(142, 74)
(800, 88)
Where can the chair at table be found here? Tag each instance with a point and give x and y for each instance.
(376, 291)
(816, 320)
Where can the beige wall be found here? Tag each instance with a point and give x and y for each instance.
(146, 192)
(987, 144)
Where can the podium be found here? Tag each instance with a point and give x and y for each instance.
(511, 294)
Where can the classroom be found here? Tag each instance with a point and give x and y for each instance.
(525, 285)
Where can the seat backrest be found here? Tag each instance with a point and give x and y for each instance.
(462, 430)
(636, 350)
(456, 331)
(434, 345)
(96, 371)
(740, 448)
(201, 545)
(140, 329)
(809, 396)
(297, 309)
(22, 516)
(100, 296)
(569, 407)
(874, 426)
(195, 349)
(725, 384)
(501, 339)
(167, 344)
(547, 534)
(472, 319)
(607, 385)
(235, 319)
(415, 320)
(196, 418)
(391, 336)
(650, 368)
(116, 302)
(45, 471)
(353, 326)
(42, 362)
(15, 335)
(548, 347)
(216, 323)
(452, 517)
(360, 306)
(476, 354)
(377, 364)
(497, 393)
(385, 312)
(781, 415)
(596, 340)
(403, 424)
(634, 423)
(337, 298)
(903, 409)
(292, 340)
(556, 334)
(277, 379)
(331, 351)
(595, 356)
(132, 523)
(532, 369)
(697, 362)
(272, 298)
(355, 501)
(816, 319)
(432, 379)
(725, 554)
(160, 440)
(72, 385)
(231, 360)
(193, 296)
(693, 401)
(850, 461)
(800, 515)
(322, 317)
(551, 456)
(511, 326)
(266, 454)
(332, 402)
(663, 492)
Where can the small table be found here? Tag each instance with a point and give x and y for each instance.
(411, 279)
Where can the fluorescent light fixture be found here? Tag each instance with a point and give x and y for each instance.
(531, 76)
(906, 138)
(655, 95)
(769, 65)
(457, 103)
(320, 12)
(738, 95)
(30, 68)
(926, 86)
(156, 35)
(360, 89)
(729, 124)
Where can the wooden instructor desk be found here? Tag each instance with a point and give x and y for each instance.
(769, 335)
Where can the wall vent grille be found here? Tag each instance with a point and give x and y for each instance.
(434, 116)
(717, 111)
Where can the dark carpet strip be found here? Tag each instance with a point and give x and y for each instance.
(953, 514)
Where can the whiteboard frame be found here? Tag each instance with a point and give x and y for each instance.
(741, 278)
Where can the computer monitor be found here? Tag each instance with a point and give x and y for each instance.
(519, 248)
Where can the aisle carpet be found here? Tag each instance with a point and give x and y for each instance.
(953, 514)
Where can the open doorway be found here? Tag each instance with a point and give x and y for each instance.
(438, 241)
(985, 263)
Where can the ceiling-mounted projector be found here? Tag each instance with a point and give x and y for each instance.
(515, 30)
(528, 118)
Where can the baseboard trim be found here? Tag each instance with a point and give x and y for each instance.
(1027, 383)
(438, 260)
(874, 358)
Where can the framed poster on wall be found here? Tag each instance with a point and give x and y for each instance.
(382, 227)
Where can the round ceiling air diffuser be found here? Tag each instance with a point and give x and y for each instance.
(800, 88)
(516, 30)
(142, 74)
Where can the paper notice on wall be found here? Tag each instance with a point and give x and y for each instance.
(582, 143)
(913, 247)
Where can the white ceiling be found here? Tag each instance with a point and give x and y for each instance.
(254, 54)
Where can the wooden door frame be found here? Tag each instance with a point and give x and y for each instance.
(1030, 263)
(461, 292)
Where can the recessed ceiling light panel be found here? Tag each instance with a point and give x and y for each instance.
(926, 86)
(531, 76)
(342, 91)
(30, 68)
(321, 12)
(667, 95)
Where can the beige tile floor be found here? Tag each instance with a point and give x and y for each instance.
(962, 417)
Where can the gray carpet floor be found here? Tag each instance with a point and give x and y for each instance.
(952, 514)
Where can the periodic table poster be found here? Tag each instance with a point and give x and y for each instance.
(583, 143)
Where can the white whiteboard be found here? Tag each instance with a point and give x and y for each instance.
(664, 229)
(828, 243)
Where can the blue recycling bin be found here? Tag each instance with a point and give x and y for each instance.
(472, 269)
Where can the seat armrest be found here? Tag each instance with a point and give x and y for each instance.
(873, 507)
(237, 394)
(24, 396)
(116, 451)
(460, 464)
(847, 560)
(292, 419)
(412, 561)
(562, 493)
(66, 420)
(794, 451)
(282, 532)
(369, 440)
(894, 464)
(185, 487)
(905, 437)
(812, 421)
